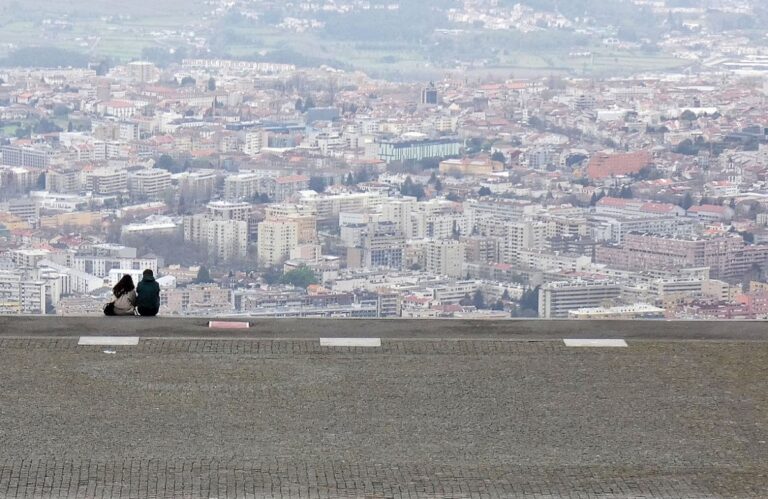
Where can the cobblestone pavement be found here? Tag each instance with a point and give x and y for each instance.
(413, 418)
(387, 328)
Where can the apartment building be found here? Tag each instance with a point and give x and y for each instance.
(107, 181)
(445, 257)
(151, 183)
(727, 256)
(276, 240)
(557, 299)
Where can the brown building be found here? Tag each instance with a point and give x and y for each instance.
(728, 257)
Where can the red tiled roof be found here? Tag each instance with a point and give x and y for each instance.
(606, 165)
(290, 179)
(708, 208)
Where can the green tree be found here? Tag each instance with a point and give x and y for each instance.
(362, 176)
(211, 84)
(317, 184)
(484, 191)
(188, 81)
(300, 277)
(530, 300)
(478, 300)
(203, 276)
(166, 162)
(272, 275)
(466, 301)
(499, 156)
(687, 201)
(688, 115)
(47, 126)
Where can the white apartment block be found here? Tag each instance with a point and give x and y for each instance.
(151, 183)
(19, 295)
(445, 258)
(228, 239)
(224, 239)
(276, 240)
(224, 210)
(557, 299)
(242, 186)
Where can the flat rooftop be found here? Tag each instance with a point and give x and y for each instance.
(419, 409)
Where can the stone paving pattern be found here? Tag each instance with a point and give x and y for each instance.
(414, 418)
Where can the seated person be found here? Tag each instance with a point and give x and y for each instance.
(148, 295)
(125, 298)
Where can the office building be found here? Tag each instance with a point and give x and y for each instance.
(557, 299)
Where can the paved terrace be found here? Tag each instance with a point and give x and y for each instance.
(434, 409)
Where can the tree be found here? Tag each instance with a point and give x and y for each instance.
(688, 115)
(505, 296)
(272, 275)
(687, 201)
(530, 300)
(484, 191)
(478, 300)
(349, 179)
(203, 276)
(410, 188)
(499, 156)
(300, 277)
(362, 176)
(466, 301)
(438, 185)
(46, 126)
(317, 184)
(188, 81)
(166, 162)
(211, 84)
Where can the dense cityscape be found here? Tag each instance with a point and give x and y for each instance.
(271, 189)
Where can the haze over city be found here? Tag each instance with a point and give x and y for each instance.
(379, 159)
(384, 249)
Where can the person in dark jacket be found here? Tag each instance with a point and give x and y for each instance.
(148, 295)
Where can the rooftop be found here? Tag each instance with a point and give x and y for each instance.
(419, 409)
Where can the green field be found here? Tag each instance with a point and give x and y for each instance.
(124, 39)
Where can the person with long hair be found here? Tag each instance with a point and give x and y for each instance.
(124, 302)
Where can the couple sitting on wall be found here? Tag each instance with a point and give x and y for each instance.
(143, 299)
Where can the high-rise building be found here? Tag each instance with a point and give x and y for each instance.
(276, 240)
(223, 210)
(227, 239)
(445, 257)
(383, 246)
(429, 95)
(20, 295)
(142, 71)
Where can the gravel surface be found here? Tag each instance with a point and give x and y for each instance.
(413, 418)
